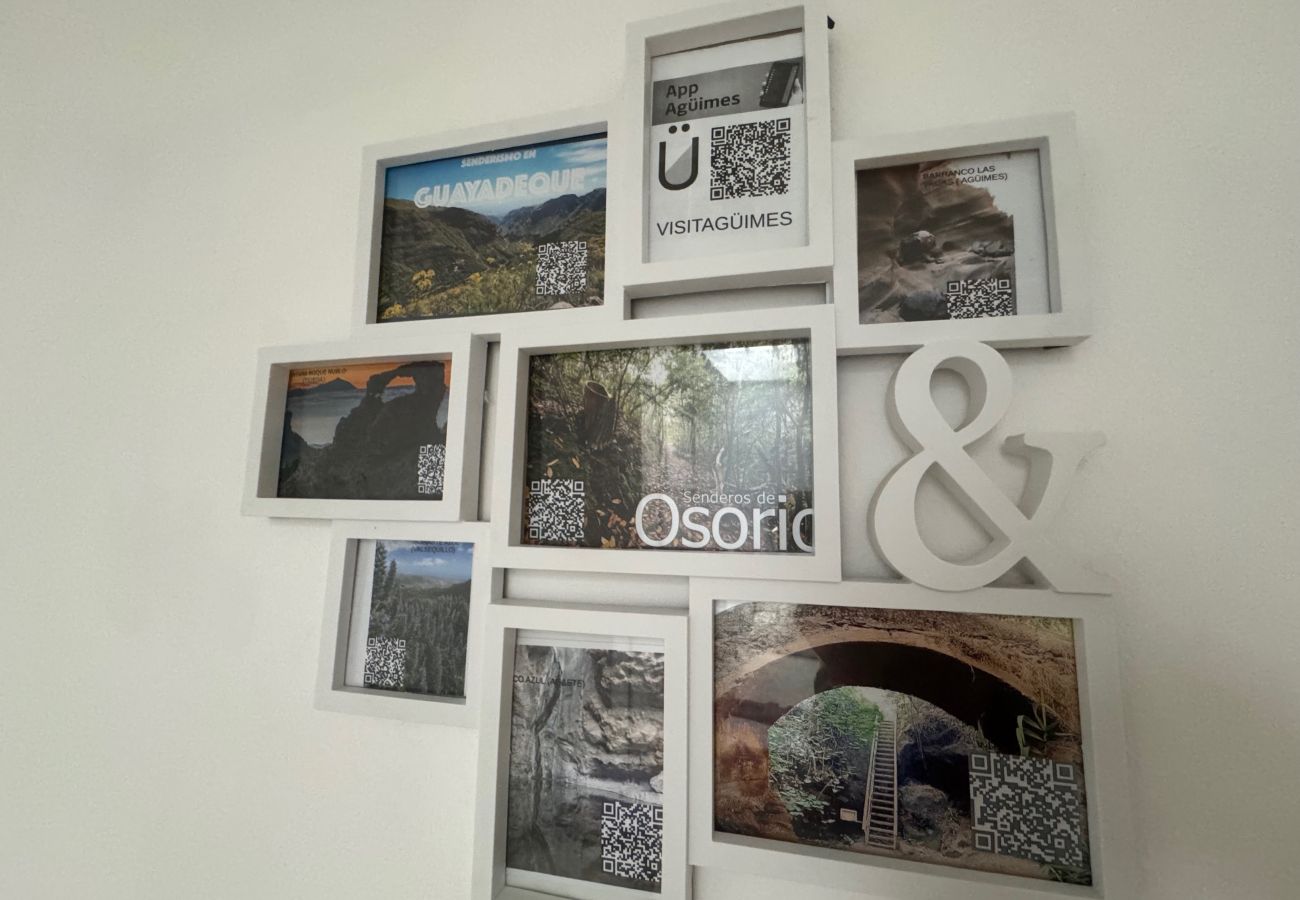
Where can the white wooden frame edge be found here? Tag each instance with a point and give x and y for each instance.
(502, 621)
(378, 158)
(332, 694)
(817, 322)
(1105, 763)
(468, 355)
(709, 25)
(1068, 287)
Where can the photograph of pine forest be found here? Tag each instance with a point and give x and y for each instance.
(939, 737)
(691, 446)
(418, 623)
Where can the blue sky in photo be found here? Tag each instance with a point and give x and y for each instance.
(402, 182)
(452, 562)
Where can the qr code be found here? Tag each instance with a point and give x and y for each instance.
(429, 469)
(631, 840)
(561, 267)
(979, 297)
(385, 663)
(1028, 807)
(749, 159)
(557, 510)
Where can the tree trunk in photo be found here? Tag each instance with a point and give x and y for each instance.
(598, 411)
(693, 473)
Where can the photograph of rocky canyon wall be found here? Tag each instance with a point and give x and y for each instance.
(952, 239)
(940, 737)
(586, 763)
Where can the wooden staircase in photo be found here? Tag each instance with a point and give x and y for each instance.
(880, 813)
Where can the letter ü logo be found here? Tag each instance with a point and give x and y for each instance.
(663, 162)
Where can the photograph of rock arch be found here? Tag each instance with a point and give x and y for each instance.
(939, 737)
(366, 431)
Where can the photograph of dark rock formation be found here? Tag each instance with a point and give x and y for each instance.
(955, 239)
(940, 737)
(418, 624)
(586, 765)
(376, 431)
(684, 447)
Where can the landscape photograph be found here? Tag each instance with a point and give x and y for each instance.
(938, 737)
(691, 446)
(585, 797)
(513, 230)
(372, 431)
(951, 239)
(417, 628)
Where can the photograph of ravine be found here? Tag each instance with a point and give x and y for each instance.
(514, 230)
(952, 239)
(586, 764)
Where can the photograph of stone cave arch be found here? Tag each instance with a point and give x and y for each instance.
(938, 737)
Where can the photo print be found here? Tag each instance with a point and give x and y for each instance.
(370, 431)
(952, 239)
(410, 617)
(586, 761)
(685, 447)
(727, 149)
(511, 230)
(939, 737)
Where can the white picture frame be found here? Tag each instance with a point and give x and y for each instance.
(1053, 136)
(1105, 761)
(811, 263)
(377, 159)
(816, 323)
(504, 620)
(332, 693)
(468, 356)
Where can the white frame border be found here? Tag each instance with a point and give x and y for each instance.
(808, 264)
(468, 355)
(378, 158)
(816, 323)
(1053, 137)
(332, 694)
(503, 621)
(1105, 764)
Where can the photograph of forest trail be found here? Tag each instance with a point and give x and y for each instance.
(939, 737)
(515, 230)
(418, 624)
(692, 446)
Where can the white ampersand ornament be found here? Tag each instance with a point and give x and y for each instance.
(1019, 530)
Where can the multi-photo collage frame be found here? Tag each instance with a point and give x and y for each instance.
(602, 344)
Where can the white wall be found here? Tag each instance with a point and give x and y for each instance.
(178, 186)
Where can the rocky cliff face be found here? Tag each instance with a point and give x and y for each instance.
(586, 726)
(912, 242)
(589, 715)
